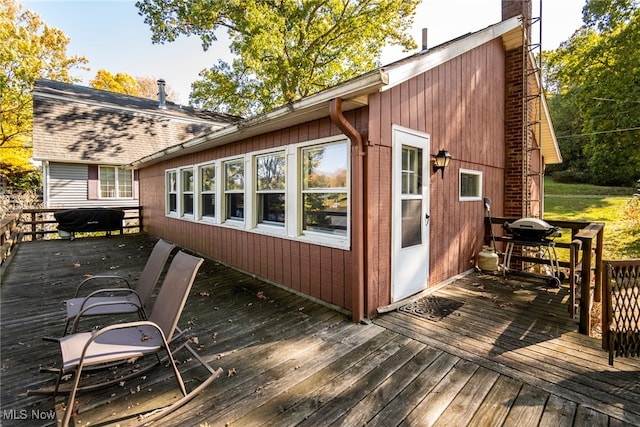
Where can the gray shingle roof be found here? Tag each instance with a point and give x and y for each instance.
(74, 123)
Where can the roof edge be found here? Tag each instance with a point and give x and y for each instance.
(415, 65)
(302, 110)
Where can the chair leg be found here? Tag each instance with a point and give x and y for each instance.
(183, 389)
(72, 397)
(66, 327)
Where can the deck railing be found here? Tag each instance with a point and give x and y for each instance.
(580, 253)
(34, 224)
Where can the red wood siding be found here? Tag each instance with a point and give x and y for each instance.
(318, 271)
(460, 104)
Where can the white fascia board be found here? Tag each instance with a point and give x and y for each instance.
(405, 70)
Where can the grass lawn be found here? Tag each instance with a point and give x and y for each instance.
(611, 205)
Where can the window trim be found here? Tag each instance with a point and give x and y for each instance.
(116, 174)
(236, 222)
(293, 195)
(199, 216)
(182, 192)
(320, 237)
(168, 192)
(474, 173)
(267, 226)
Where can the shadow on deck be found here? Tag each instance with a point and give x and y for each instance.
(508, 354)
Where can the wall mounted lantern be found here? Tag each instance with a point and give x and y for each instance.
(441, 161)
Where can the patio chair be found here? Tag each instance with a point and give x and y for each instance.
(621, 308)
(119, 300)
(126, 341)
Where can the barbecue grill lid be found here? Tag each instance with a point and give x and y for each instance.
(530, 224)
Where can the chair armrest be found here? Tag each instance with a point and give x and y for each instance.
(104, 277)
(84, 307)
(96, 334)
(110, 290)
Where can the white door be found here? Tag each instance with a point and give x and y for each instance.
(410, 213)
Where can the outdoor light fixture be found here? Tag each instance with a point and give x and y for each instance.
(441, 161)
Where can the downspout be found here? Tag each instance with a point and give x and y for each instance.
(357, 206)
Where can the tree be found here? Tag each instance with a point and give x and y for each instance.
(118, 83)
(285, 49)
(144, 87)
(597, 74)
(148, 88)
(29, 49)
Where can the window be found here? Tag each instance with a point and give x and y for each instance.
(234, 189)
(172, 192)
(115, 183)
(411, 196)
(470, 185)
(187, 185)
(208, 191)
(324, 188)
(270, 188)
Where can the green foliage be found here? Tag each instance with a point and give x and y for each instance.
(284, 50)
(29, 49)
(595, 93)
(611, 205)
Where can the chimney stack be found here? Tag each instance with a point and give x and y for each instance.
(511, 8)
(162, 96)
(424, 39)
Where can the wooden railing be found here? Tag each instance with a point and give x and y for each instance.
(38, 223)
(9, 235)
(584, 261)
(34, 224)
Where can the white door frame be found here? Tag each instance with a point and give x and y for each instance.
(409, 235)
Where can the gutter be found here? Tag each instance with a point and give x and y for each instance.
(357, 207)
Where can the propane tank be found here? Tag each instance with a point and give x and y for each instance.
(488, 259)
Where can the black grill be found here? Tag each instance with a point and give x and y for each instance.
(531, 230)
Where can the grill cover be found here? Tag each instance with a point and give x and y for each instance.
(89, 219)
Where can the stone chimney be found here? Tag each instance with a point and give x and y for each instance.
(162, 96)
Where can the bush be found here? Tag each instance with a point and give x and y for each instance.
(570, 177)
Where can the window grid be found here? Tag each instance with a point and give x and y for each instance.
(208, 191)
(115, 183)
(270, 188)
(234, 189)
(315, 205)
(470, 185)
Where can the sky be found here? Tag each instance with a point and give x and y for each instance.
(113, 37)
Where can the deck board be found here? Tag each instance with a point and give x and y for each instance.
(509, 355)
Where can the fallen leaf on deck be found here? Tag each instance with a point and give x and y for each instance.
(261, 295)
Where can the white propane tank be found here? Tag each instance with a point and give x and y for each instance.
(488, 259)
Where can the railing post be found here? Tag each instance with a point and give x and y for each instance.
(598, 270)
(33, 226)
(585, 288)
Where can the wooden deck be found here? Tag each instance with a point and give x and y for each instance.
(509, 355)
